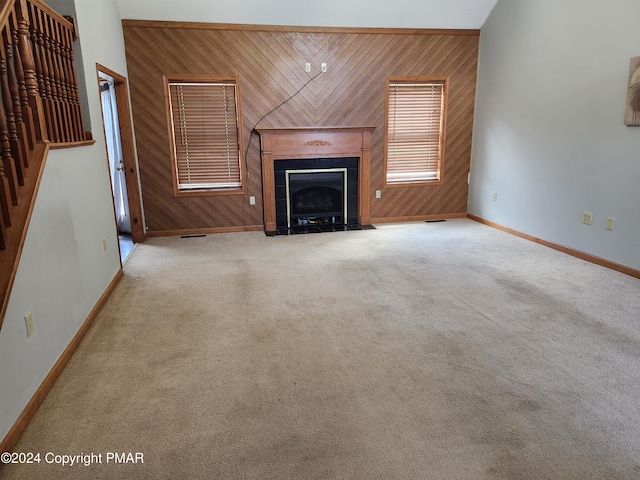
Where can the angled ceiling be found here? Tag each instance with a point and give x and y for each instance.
(454, 14)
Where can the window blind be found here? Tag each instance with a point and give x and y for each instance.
(415, 125)
(205, 132)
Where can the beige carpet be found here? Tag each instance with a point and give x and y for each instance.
(415, 351)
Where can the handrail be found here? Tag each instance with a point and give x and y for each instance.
(39, 105)
(68, 24)
(7, 6)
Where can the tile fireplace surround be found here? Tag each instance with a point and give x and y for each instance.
(314, 142)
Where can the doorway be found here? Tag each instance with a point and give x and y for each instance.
(121, 159)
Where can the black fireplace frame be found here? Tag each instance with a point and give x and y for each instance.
(280, 167)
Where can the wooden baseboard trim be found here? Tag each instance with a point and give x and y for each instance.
(204, 231)
(31, 408)
(418, 218)
(561, 248)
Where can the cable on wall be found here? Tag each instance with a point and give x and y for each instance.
(254, 131)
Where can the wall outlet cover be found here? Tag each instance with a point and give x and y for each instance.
(28, 320)
(610, 222)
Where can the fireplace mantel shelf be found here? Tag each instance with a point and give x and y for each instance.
(315, 129)
(314, 142)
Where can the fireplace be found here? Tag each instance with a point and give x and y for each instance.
(326, 168)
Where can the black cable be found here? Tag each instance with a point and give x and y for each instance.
(253, 131)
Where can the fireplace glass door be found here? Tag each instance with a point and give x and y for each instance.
(316, 196)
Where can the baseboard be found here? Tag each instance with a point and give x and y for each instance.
(31, 408)
(561, 248)
(204, 231)
(418, 218)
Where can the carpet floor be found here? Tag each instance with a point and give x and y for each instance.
(413, 351)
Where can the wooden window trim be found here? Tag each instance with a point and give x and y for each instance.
(419, 79)
(173, 78)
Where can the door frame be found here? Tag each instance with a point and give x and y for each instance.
(128, 151)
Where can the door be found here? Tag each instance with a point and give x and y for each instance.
(115, 157)
(123, 167)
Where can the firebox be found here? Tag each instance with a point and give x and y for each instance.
(316, 196)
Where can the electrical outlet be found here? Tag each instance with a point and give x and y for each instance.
(495, 197)
(323, 67)
(104, 243)
(378, 194)
(252, 200)
(307, 67)
(28, 320)
(587, 218)
(610, 222)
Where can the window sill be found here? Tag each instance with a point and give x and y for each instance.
(210, 193)
(425, 183)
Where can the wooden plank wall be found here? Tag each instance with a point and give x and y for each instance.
(270, 64)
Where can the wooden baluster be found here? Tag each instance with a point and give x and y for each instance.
(52, 93)
(69, 37)
(28, 64)
(3, 230)
(56, 84)
(26, 115)
(37, 50)
(47, 95)
(8, 165)
(68, 68)
(5, 196)
(65, 111)
(6, 190)
(17, 130)
(8, 88)
(62, 101)
(5, 207)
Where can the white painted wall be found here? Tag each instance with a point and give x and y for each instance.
(64, 270)
(330, 13)
(549, 137)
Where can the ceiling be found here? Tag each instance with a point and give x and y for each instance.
(450, 14)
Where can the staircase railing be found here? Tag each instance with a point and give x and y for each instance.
(39, 108)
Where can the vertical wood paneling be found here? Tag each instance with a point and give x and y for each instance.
(270, 64)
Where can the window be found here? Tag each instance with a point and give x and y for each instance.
(415, 130)
(204, 114)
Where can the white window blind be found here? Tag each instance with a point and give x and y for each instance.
(415, 131)
(204, 120)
